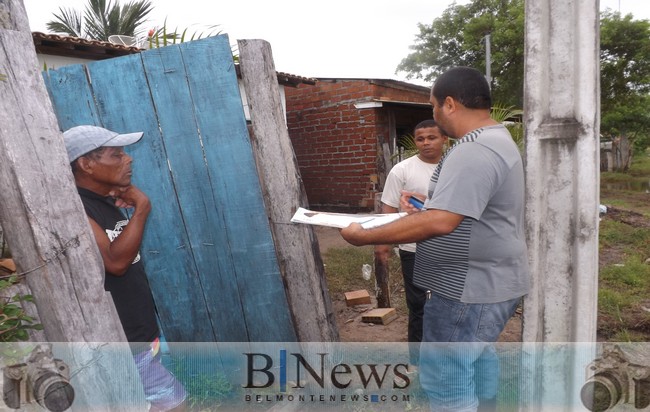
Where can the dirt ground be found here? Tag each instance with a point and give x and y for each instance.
(352, 329)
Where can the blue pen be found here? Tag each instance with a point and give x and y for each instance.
(417, 203)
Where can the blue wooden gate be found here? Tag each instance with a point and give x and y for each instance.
(208, 248)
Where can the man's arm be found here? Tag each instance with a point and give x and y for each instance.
(412, 228)
(119, 254)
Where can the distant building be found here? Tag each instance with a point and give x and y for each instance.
(344, 133)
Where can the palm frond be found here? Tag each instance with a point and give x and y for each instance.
(502, 113)
(133, 15)
(511, 119)
(405, 148)
(68, 22)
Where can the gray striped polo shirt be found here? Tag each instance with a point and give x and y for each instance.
(484, 260)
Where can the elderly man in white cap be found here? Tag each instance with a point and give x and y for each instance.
(102, 173)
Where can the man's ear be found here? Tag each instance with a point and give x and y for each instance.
(450, 104)
(84, 164)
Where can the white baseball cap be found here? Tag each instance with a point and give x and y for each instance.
(80, 140)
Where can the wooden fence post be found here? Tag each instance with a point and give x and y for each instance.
(296, 245)
(47, 229)
(381, 271)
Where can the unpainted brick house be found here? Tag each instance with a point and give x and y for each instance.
(344, 133)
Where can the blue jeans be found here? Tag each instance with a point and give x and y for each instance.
(458, 363)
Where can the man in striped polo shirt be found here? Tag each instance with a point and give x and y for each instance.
(471, 253)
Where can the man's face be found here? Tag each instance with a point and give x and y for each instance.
(111, 166)
(430, 141)
(439, 116)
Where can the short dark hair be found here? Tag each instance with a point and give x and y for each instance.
(93, 154)
(424, 124)
(466, 85)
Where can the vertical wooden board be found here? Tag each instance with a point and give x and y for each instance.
(220, 118)
(124, 103)
(71, 96)
(301, 264)
(204, 221)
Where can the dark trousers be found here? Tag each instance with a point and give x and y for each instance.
(415, 300)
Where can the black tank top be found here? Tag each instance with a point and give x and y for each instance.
(131, 293)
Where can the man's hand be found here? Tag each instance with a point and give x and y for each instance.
(353, 234)
(404, 204)
(118, 255)
(131, 197)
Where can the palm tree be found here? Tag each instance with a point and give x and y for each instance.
(101, 19)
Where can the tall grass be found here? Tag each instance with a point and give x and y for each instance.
(623, 298)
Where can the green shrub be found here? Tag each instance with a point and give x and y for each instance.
(14, 322)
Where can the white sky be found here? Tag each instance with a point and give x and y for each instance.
(333, 38)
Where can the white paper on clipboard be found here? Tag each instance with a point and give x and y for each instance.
(341, 220)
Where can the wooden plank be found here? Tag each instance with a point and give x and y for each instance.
(382, 272)
(73, 101)
(236, 188)
(50, 238)
(125, 104)
(296, 245)
(206, 231)
(183, 258)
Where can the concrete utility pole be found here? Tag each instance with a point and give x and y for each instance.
(48, 231)
(561, 109)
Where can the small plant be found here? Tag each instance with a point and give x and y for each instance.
(3, 77)
(14, 322)
(160, 37)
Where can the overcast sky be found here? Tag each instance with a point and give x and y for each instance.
(333, 38)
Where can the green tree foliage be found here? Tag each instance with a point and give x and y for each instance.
(457, 38)
(101, 19)
(14, 322)
(625, 78)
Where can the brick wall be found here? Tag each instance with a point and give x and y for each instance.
(336, 144)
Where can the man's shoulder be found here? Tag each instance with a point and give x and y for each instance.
(413, 162)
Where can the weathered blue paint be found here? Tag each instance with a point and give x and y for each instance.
(73, 103)
(208, 248)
